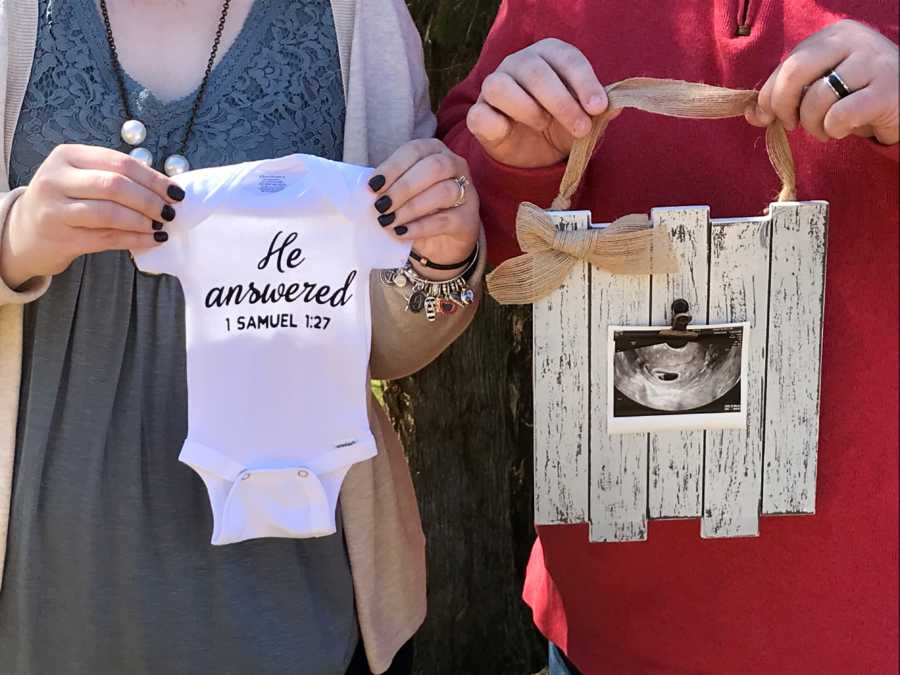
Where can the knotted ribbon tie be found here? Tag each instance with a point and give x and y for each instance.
(630, 245)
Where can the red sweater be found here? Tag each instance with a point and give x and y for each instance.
(812, 594)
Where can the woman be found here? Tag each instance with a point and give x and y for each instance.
(107, 545)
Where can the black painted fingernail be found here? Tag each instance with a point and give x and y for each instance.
(168, 213)
(387, 219)
(157, 225)
(161, 236)
(401, 230)
(377, 182)
(384, 204)
(175, 193)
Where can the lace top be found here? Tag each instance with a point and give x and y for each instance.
(277, 90)
(109, 534)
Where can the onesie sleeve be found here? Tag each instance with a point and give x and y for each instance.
(377, 247)
(160, 259)
(382, 251)
(204, 189)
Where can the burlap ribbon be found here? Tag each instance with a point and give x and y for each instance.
(630, 245)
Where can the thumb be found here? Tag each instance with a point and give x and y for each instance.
(488, 125)
(594, 100)
(757, 116)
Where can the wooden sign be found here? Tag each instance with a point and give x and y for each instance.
(766, 271)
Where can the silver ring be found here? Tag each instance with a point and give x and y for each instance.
(462, 183)
(836, 83)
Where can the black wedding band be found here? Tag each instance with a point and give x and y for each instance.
(837, 84)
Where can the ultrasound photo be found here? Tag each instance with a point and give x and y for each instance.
(660, 382)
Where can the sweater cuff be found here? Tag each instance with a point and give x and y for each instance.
(494, 179)
(404, 343)
(32, 289)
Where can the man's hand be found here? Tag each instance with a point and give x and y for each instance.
(534, 106)
(797, 93)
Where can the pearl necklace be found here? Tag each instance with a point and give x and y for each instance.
(133, 131)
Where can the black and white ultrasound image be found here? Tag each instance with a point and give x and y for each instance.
(661, 375)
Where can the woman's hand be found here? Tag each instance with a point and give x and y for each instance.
(537, 102)
(797, 92)
(417, 197)
(84, 199)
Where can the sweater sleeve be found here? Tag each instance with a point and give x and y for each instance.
(501, 188)
(424, 120)
(404, 343)
(32, 289)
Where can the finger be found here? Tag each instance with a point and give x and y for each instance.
(105, 215)
(426, 173)
(104, 159)
(507, 96)
(540, 80)
(406, 156)
(94, 184)
(97, 241)
(488, 125)
(456, 223)
(867, 131)
(854, 112)
(577, 72)
(805, 65)
(757, 116)
(438, 197)
(764, 99)
(820, 97)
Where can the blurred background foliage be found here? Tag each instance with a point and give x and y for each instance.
(452, 34)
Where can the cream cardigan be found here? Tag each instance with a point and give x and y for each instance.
(377, 43)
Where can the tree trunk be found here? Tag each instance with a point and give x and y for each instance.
(466, 425)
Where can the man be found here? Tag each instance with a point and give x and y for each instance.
(812, 594)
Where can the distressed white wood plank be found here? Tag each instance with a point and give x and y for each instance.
(618, 486)
(795, 337)
(676, 458)
(739, 282)
(561, 381)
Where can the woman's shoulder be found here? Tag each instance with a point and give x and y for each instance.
(373, 16)
(11, 11)
(18, 29)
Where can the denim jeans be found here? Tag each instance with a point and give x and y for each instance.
(559, 664)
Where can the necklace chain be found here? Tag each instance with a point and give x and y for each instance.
(201, 90)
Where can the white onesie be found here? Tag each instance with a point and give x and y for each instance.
(274, 258)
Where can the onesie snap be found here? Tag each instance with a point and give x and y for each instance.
(274, 259)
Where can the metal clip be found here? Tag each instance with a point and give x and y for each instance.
(681, 317)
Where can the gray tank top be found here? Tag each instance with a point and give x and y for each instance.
(109, 567)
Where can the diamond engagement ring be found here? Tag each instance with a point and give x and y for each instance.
(462, 183)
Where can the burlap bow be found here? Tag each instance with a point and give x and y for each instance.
(630, 245)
